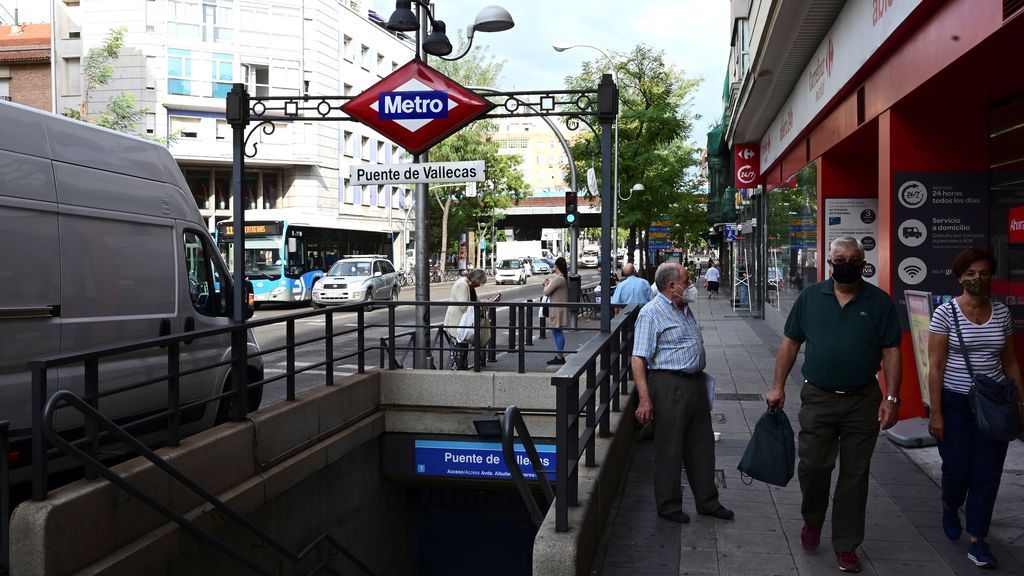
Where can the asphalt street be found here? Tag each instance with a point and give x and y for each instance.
(275, 364)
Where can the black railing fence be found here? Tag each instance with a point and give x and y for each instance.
(511, 326)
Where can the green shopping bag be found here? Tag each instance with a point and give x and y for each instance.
(771, 454)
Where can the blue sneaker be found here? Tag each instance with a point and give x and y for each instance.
(980, 554)
(951, 522)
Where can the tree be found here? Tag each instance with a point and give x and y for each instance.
(503, 185)
(655, 123)
(122, 113)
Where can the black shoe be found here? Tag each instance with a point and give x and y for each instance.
(556, 360)
(722, 513)
(680, 517)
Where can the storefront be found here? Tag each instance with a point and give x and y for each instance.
(906, 130)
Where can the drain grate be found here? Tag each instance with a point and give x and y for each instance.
(739, 397)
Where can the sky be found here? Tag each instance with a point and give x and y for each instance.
(693, 33)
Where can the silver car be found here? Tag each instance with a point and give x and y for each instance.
(355, 279)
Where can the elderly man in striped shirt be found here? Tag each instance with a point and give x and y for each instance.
(668, 361)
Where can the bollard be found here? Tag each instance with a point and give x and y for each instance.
(529, 323)
(543, 324)
(513, 318)
(492, 344)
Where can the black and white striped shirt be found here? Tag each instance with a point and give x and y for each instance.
(984, 343)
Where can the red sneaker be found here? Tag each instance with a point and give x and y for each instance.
(848, 561)
(810, 536)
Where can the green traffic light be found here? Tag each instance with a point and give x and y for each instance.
(570, 218)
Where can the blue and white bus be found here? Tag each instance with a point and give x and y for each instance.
(284, 259)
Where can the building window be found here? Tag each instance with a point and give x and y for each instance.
(184, 18)
(254, 25)
(151, 73)
(286, 29)
(793, 238)
(347, 90)
(186, 127)
(72, 77)
(257, 79)
(380, 65)
(223, 129)
(284, 78)
(381, 157)
(271, 190)
(179, 71)
(364, 57)
(72, 28)
(150, 123)
(347, 143)
(347, 49)
(364, 147)
(5, 89)
(223, 68)
(217, 21)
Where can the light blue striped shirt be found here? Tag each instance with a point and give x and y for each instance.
(632, 290)
(668, 337)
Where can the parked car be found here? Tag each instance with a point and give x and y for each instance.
(357, 278)
(542, 266)
(511, 271)
(590, 259)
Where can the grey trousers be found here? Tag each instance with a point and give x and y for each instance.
(847, 426)
(683, 437)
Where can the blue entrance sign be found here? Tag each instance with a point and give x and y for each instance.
(458, 459)
(413, 105)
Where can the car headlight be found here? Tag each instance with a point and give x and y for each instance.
(357, 293)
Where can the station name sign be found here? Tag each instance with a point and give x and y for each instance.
(377, 174)
(461, 459)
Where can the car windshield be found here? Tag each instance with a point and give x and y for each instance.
(510, 264)
(350, 268)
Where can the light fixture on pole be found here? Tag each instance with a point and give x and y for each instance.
(562, 47)
(436, 43)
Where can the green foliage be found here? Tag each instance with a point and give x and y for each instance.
(655, 124)
(122, 114)
(450, 207)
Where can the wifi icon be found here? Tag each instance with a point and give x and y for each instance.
(913, 270)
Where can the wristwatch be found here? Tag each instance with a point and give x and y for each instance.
(895, 401)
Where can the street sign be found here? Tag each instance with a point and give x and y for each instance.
(746, 158)
(371, 174)
(416, 106)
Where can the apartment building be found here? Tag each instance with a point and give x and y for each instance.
(543, 161)
(181, 58)
(25, 64)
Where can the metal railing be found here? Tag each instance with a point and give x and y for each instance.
(603, 366)
(513, 423)
(69, 399)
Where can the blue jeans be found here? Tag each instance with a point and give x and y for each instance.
(559, 340)
(971, 464)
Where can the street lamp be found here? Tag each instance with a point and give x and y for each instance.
(562, 47)
(403, 19)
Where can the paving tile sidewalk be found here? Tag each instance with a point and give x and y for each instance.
(903, 537)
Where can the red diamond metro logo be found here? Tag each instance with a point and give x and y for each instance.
(416, 107)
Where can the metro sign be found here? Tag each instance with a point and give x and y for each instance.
(416, 107)
(746, 158)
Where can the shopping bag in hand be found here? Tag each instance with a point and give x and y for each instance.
(770, 455)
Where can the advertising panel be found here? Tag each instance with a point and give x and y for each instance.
(919, 313)
(747, 161)
(935, 215)
(857, 217)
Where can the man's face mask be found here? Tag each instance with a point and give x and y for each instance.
(847, 271)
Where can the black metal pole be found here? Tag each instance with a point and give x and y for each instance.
(421, 356)
(237, 115)
(607, 111)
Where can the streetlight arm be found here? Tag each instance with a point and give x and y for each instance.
(469, 45)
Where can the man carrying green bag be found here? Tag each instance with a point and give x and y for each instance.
(771, 454)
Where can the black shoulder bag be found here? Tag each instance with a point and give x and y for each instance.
(993, 402)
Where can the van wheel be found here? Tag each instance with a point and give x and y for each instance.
(224, 407)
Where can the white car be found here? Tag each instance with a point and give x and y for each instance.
(511, 271)
(359, 278)
(589, 260)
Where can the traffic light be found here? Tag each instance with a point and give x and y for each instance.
(571, 208)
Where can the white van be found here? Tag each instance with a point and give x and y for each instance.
(104, 246)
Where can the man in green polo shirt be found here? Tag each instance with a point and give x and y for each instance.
(850, 327)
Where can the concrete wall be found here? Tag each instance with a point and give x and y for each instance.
(272, 468)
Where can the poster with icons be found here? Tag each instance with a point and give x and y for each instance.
(935, 216)
(856, 217)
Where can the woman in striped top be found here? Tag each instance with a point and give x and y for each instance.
(971, 463)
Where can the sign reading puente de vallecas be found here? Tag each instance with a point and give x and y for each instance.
(416, 106)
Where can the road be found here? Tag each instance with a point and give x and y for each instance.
(275, 364)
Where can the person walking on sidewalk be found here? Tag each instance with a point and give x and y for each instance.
(556, 288)
(632, 289)
(711, 279)
(849, 327)
(668, 359)
(971, 463)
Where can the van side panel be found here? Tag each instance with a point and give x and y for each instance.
(22, 131)
(80, 186)
(77, 143)
(29, 277)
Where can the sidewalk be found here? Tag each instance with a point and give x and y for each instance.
(903, 537)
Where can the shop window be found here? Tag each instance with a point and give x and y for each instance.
(186, 127)
(271, 190)
(792, 239)
(1006, 206)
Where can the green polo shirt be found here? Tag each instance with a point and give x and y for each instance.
(843, 344)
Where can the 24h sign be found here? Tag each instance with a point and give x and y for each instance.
(416, 107)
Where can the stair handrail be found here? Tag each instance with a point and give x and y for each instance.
(72, 400)
(512, 423)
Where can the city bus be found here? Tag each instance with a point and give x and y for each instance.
(283, 259)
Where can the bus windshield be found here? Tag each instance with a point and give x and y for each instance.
(262, 258)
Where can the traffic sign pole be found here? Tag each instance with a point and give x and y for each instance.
(421, 357)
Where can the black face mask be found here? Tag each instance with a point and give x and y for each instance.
(846, 272)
